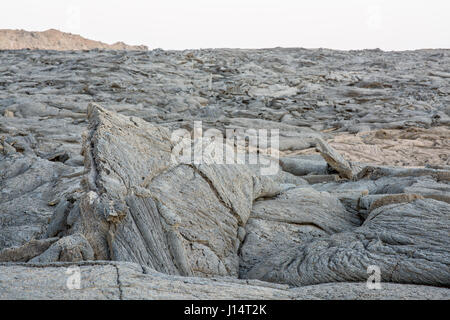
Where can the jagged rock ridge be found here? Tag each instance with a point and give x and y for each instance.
(54, 40)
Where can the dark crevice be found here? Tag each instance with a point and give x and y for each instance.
(219, 197)
(119, 283)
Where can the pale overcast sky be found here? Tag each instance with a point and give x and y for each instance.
(177, 24)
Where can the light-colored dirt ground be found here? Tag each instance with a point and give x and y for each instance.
(407, 147)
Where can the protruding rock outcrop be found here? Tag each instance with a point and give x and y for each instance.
(138, 205)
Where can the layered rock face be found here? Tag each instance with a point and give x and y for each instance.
(95, 185)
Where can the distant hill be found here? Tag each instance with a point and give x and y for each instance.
(55, 40)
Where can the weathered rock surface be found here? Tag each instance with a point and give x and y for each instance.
(295, 216)
(409, 242)
(26, 252)
(175, 218)
(85, 184)
(121, 280)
